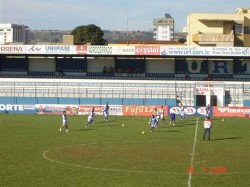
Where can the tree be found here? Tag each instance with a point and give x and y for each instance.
(88, 34)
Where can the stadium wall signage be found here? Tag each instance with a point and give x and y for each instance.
(122, 110)
(125, 50)
(12, 108)
(231, 111)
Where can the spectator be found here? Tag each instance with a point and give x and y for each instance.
(119, 71)
(111, 70)
(209, 77)
(60, 70)
(105, 70)
(130, 70)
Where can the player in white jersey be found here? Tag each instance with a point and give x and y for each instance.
(207, 126)
(91, 117)
(64, 122)
(182, 115)
(162, 114)
(106, 112)
(156, 114)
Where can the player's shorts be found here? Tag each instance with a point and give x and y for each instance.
(65, 122)
(90, 119)
(161, 116)
(153, 125)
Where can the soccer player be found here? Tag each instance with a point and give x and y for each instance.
(153, 122)
(182, 115)
(162, 115)
(64, 122)
(91, 117)
(207, 126)
(207, 109)
(106, 112)
(156, 114)
(172, 118)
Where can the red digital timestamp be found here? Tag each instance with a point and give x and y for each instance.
(214, 170)
(208, 170)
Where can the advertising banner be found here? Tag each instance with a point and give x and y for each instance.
(231, 111)
(12, 49)
(113, 109)
(80, 49)
(95, 49)
(124, 50)
(205, 51)
(35, 49)
(147, 50)
(58, 49)
(56, 109)
(190, 110)
(12, 108)
(123, 110)
(136, 110)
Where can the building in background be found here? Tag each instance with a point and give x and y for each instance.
(163, 28)
(13, 33)
(66, 40)
(219, 30)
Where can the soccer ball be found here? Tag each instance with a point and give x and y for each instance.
(143, 132)
(123, 125)
(222, 120)
(149, 123)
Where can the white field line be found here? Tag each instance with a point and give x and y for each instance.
(193, 152)
(103, 169)
(45, 156)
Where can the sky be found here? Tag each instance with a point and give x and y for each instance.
(119, 15)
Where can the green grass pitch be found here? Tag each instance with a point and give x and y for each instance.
(34, 153)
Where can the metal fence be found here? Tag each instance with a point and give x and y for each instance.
(235, 92)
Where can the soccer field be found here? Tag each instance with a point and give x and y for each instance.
(34, 152)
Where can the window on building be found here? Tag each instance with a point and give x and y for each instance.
(237, 29)
(247, 30)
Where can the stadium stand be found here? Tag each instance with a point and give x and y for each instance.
(126, 91)
(13, 64)
(71, 65)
